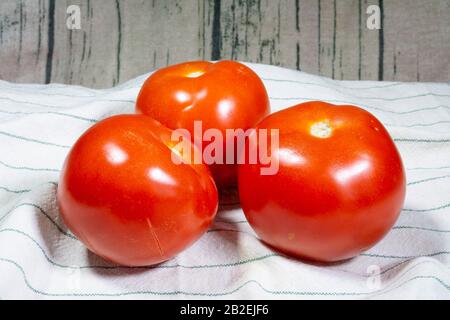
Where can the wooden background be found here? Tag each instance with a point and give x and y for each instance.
(121, 39)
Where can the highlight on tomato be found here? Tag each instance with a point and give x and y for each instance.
(222, 95)
(123, 196)
(339, 187)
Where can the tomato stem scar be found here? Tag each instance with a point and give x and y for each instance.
(321, 129)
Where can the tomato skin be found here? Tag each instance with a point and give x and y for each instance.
(223, 95)
(122, 195)
(335, 195)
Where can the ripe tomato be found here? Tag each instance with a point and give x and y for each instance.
(340, 185)
(122, 195)
(223, 95)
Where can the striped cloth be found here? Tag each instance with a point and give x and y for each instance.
(40, 258)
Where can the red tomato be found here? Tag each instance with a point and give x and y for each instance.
(223, 95)
(340, 185)
(122, 195)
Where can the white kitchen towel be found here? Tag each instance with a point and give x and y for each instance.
(39, 258)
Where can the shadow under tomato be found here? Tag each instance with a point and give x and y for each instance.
(306, 260)
(231, 228)
(105, 268)
(229, 197)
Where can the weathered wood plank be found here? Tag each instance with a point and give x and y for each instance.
(417, 40)
(251, 30)
(168, 33)
(308, 41)
(121, 39)
(369, 56)
(89, 55)
(346, 49)
(23, 40)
